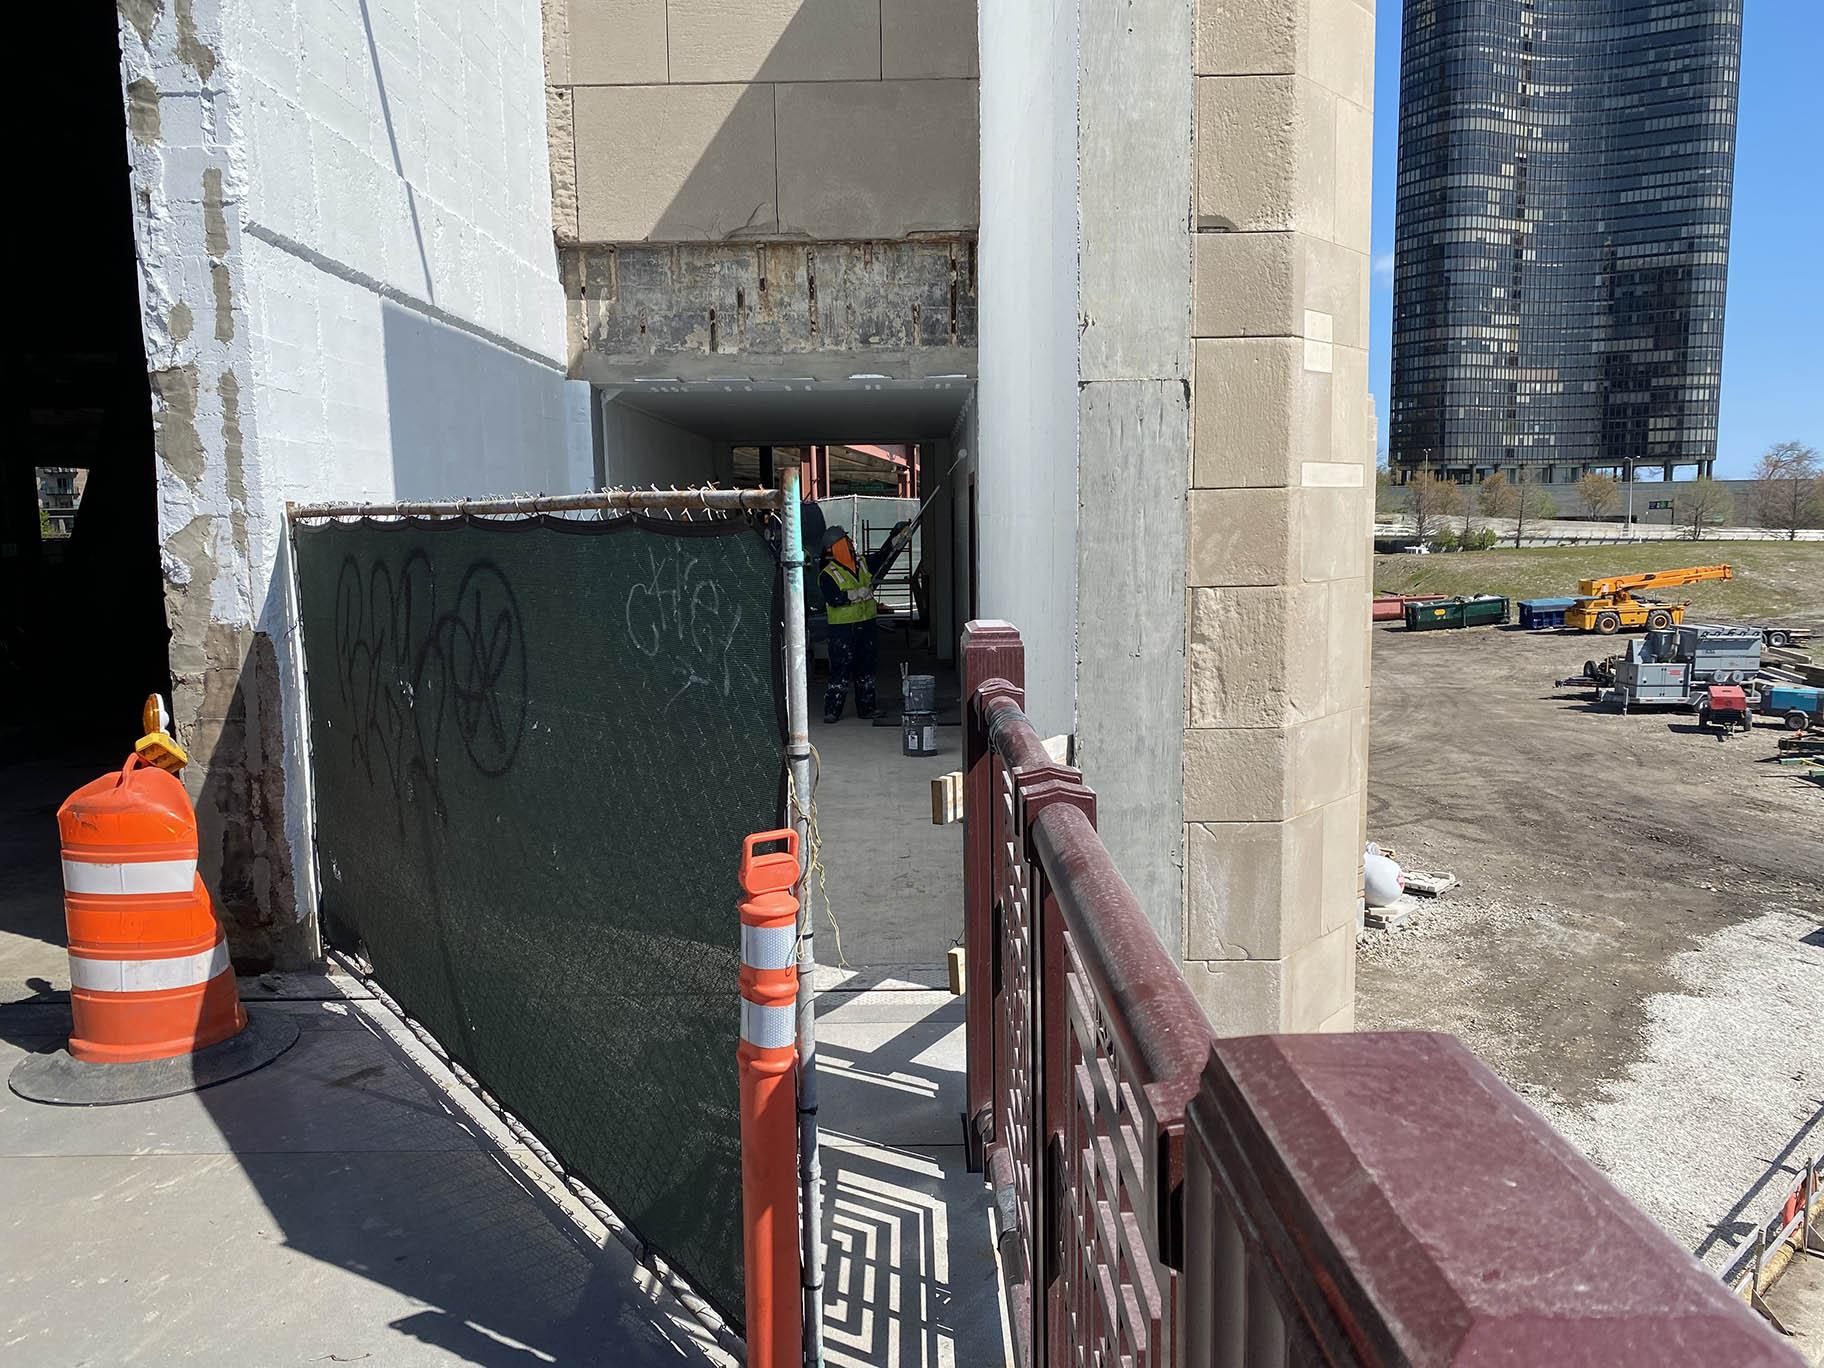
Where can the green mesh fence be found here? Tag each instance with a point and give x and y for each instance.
(537, 746)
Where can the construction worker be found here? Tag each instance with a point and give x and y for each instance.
(848, 584)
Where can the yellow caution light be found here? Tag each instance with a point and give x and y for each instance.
(157, 747)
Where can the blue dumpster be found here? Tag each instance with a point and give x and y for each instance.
(1537, 613)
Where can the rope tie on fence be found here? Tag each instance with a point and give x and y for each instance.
(806, 811)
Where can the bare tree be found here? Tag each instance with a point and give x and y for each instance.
(1788, 488)
(1601, 494)
(1703, 504)
(1531, 504)
(1386, 493)
(1496, 496)
(1431, 502)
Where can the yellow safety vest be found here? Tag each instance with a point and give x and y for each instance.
(847, 580)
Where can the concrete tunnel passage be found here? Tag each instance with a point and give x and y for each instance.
(892, 880)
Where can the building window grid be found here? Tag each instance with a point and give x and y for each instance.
(1624, 381)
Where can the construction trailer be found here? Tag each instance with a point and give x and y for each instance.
(1784, 636)
(1610, 604)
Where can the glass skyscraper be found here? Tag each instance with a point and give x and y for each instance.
(1562, 237)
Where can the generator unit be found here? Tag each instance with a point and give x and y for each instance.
(1640, 680)
(1720, 655)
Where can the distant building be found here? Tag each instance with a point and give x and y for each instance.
(59, 493)
(1562, 238)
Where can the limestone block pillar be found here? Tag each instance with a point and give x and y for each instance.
(1280, 506)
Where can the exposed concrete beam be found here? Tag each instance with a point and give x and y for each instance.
(899, 310)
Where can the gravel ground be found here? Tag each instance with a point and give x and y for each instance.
(1638, 944)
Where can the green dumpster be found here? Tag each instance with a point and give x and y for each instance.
(1481, 611)
(1484, 610)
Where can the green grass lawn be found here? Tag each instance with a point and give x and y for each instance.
(1773, 581)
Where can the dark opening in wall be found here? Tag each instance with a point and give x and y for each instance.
(82, 627)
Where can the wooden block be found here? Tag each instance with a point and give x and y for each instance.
(1430, 883)
(958, 974)
(947, 798)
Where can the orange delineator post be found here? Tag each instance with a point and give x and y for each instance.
(768, 1062)
(149, 970)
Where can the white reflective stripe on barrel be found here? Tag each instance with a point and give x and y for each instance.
(769, 947)
(148, 975)
(129, 876)
(770, 1028)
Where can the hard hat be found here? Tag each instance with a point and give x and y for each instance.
(838, 547)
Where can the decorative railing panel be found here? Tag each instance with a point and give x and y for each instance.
(1167, 1198)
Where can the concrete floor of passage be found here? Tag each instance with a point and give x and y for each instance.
(911, 1280)
(895, 881)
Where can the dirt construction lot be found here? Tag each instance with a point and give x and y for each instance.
(1637, 943)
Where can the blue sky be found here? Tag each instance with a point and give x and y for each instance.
(1773, 341)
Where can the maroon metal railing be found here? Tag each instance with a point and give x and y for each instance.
(1166, 1198)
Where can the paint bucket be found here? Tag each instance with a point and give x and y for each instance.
(921, 693)
(918, 733)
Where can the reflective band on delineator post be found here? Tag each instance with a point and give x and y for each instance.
(96, 878)
(769, 1028)
(769, 947)
(147, 975)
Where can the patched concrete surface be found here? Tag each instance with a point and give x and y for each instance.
(895, 882)
(1638, 945)
(340, 1204)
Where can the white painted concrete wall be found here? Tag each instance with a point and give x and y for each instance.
(349, 289)
(1026, 399)
(638, 449)
(406, 313)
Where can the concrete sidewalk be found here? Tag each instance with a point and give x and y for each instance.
(339, 1205)
(352, 1203)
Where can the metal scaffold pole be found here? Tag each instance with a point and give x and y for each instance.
(798, 758)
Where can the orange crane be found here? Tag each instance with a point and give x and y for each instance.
(1608, 604)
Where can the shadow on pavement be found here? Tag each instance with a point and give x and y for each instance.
(425, 1241)
(910, 1275)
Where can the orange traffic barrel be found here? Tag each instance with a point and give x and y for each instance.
(149, 971)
